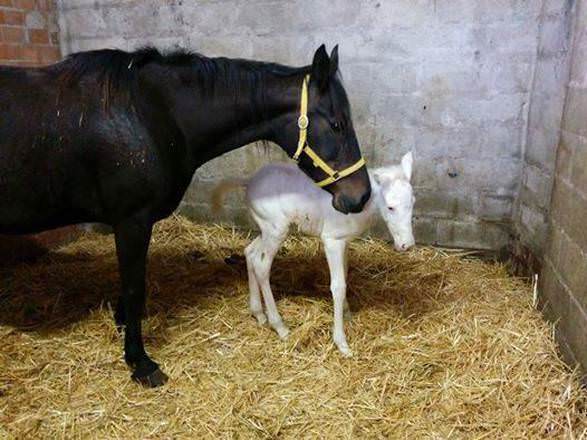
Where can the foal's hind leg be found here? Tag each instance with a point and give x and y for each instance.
(132, 243)
(255, 304)
(264, 255)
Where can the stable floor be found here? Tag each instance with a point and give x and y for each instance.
(445, 346)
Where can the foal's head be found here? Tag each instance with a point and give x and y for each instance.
(396, 200)
(330, 134)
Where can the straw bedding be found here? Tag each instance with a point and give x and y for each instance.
(444, 346)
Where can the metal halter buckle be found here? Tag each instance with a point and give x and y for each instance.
(303, 122)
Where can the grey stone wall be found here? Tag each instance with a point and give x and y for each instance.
(549, 81)
(450, 80)
(563, 286)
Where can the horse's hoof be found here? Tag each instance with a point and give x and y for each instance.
(152, 380)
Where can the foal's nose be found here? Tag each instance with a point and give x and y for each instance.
(404, 246)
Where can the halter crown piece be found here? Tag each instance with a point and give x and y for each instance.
(303, 147)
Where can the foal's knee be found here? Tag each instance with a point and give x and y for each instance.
(338, 289)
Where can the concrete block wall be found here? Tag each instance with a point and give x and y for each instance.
(449, 80)
(547, 97)
(563, 285)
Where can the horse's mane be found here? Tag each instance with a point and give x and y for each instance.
(119, 67)
(116, 70)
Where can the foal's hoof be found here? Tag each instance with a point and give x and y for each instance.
(345, 351)
(283, 332)
(155, 379)
(261, 318)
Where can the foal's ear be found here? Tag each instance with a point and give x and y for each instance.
(334, 61)
(377, 176)
(321, 68)
(407, 164)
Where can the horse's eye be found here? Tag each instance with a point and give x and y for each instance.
(335, 126)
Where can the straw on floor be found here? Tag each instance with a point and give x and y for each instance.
(444, 347)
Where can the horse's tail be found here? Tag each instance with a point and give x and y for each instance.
(222, 188)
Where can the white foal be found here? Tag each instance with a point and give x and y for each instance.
(280, 195)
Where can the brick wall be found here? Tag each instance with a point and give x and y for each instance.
(448, 79)
(564, 279)
(28, 32)
(29, 37)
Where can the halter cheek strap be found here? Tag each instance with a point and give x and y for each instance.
(303, 147)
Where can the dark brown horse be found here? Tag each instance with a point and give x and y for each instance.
(115, 137)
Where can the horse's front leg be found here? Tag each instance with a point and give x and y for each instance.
(132, 243)
(335, 255)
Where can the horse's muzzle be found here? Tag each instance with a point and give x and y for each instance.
(350, 205)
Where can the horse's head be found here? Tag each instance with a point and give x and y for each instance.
(396, 200)
(327, 149)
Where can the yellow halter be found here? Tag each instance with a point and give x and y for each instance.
(303, 146)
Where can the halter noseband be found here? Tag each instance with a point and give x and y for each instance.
(303, 146)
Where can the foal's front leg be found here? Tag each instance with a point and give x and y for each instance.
(132, 243)
(335, 255)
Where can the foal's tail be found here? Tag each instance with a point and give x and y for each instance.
(222, 188)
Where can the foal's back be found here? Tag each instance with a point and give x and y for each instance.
(280, 195)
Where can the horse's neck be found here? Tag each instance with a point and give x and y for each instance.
(238, 114)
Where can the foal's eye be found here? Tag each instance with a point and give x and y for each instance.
(390, 208)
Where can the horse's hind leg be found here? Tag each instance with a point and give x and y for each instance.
(255, 304)
(132, 243)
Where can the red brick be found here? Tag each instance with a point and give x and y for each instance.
(27, 5)
(49, 54)
(10, 51)
(5, 2)
(38, 36)
(45, 5)
(12, 34)
(12, 17)
(30, 53)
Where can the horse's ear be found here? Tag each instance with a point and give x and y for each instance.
(321, 68)
(407, 164)
(334, 61)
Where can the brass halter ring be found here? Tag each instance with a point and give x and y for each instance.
(303, 147)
